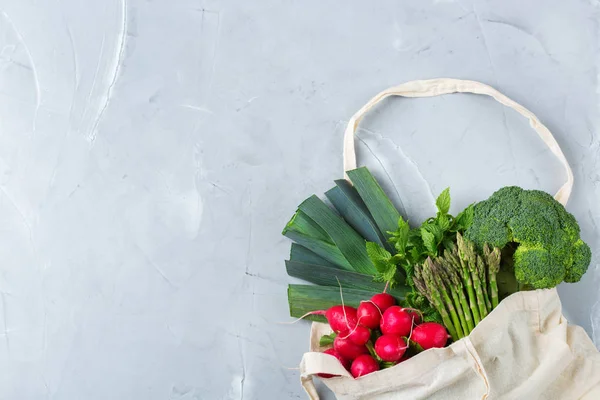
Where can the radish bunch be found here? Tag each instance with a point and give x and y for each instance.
(379, 334)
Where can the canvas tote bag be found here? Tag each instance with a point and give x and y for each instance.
(524, 349)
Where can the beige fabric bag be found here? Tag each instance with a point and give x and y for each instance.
(524, 349)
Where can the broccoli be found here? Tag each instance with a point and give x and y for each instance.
(548, 247)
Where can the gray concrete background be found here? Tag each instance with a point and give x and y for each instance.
(152, 151)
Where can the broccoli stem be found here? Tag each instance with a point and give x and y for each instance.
(437, 301)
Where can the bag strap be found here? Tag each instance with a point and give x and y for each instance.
(437, 87)
(314, 363)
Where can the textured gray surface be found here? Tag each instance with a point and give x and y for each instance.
(151, 152)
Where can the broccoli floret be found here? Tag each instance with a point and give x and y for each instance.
(549, 249)
(582, 255)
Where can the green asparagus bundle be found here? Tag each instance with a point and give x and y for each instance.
(461, 285)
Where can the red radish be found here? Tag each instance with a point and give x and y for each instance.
(369, 314)
(396, 320)
(383, 301)
(364, 365)
(340, 318)
(345, 363)
(359, 335)
(430, 334)
(346, 348)
(390, 347)
(415, 315)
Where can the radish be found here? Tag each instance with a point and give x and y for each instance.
(369, 314)
(383, 301)
(345, 363)
(363, 365)
(348, 349)
(430, 334)
(415, 314)
(340, 318)
(396, 320)
(390, 348)
(359, 335)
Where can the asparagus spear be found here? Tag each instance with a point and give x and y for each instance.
(493, 262)
(455, 280)
(463, 271)
(437, 301)
(443, 289)
(470, 257)
(420, 284)
(449, 286)
(482, 271)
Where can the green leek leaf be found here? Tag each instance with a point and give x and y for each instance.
(327, 276)
(305, 256)
(306, 298)
(348, 203)
(384, 213)
(350, 243)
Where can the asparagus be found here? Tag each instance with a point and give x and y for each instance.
(455, 281)
(437, 300)
(493, 262)
(449, 285)
(482, 271)
(460, 265)
(420, 284)
(466, 250)
(439, 282)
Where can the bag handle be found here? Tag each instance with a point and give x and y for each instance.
(436, 87)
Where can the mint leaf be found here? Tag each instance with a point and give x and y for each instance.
(438, 232)
(465, 218)
(443, 201)
(448, 244)
(429, 242)
(382, 260)
(379, 256)
(400, 236)
(443, 221)
(388, 276)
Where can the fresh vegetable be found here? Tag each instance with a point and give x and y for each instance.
(383, 301)
(379, 205)
(359, 335)
(330, 250)
(341, 318)
(397, 321)
(345, 362)
(390, 347)
(429, 335)
(493, 261)
(414, 314)
(363, 365)
(461, 285)
(548, 247)
(369, 314)
(431, 239)
(348, 349)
